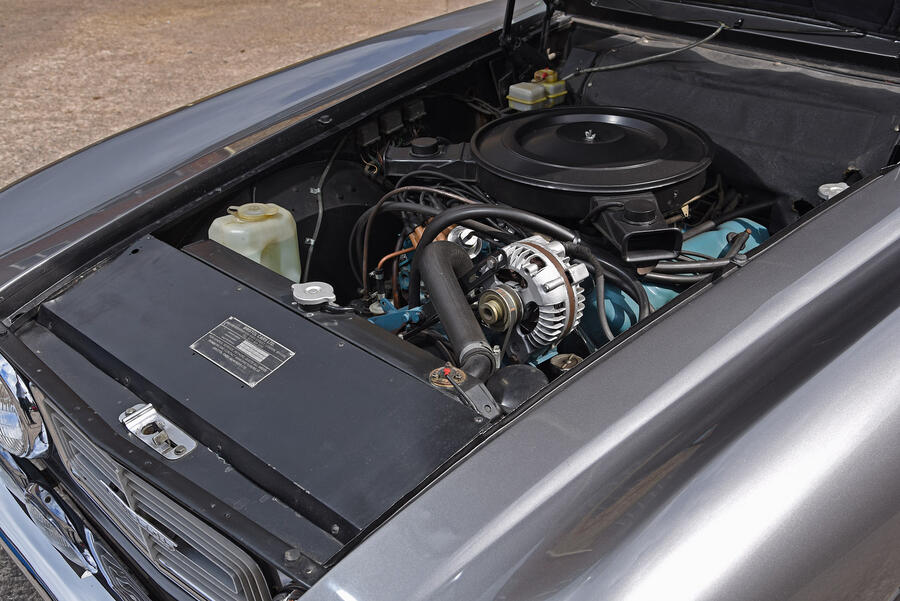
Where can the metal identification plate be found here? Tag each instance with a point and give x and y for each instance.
(244, 352)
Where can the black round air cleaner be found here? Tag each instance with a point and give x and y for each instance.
(552, 161)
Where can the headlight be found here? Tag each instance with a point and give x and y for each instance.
(21, 428)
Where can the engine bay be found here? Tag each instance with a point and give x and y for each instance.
(511, 241)
(509, 258)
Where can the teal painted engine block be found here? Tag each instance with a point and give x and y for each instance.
(622, 311)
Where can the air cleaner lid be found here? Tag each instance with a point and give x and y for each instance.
(598, 150)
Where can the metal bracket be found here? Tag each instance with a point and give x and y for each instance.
(479, 398)
(471, 392)
(157, 432)
(394, 319)
(484, 271)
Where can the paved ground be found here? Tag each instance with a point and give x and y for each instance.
(73, 73)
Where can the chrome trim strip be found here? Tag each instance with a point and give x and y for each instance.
(42, 506)
(39, 560)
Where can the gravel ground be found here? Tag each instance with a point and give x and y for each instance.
(13, 584)
(75, 72)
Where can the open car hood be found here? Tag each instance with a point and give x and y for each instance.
(871, 16)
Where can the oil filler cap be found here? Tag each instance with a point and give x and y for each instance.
(424, 147)
(640, 211)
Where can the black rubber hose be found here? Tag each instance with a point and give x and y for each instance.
(667, 279)
(354, 248)
(667, 273)
(377, 207)
(700, 228)
(600, 296)
(599, 207)
(692, 266)
(412, 207)
(628, 282)
(459, 214)
(745, 210)
(739, 212)
(443, 263)
(582, 252)
(737, 244)
(433, 174)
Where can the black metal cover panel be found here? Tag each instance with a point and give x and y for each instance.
(202, 467)
(335, 432)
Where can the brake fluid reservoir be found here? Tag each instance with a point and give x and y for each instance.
(543, 91)
(265, 233)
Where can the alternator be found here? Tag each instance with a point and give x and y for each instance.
(538, 295)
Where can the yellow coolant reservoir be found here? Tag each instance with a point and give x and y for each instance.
(265, 233)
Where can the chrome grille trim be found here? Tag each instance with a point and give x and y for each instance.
(192, 554)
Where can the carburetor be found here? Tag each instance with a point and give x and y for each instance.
(537, 299)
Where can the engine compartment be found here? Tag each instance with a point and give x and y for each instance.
(512, 242)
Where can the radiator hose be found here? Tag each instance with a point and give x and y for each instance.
(442, 264)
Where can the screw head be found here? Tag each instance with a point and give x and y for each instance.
(292, 555)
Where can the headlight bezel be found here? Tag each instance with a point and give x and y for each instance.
(18, 408)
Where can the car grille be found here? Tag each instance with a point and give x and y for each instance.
(192, 554)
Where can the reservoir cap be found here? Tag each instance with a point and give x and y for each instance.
(253, 211)
(424, 147)
(313, 293)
